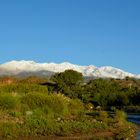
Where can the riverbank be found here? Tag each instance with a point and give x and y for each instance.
(135, 118)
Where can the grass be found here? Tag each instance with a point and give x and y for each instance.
(41, 114)
(8, 101)
(39, 124)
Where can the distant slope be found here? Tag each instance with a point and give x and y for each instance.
(27, 68)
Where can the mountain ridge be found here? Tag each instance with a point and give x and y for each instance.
(16, 67)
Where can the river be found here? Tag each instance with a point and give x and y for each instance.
(135, 119)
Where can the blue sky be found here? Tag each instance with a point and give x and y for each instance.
(98, 32)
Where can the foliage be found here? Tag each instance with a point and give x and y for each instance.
(102, 92)
(28, 109)
(67, 81)
(58, 103)
(75, 107)
(70, 77)
(103, 116)
(42, 126)
(9, 129)
(120, 117)
(8, 101)
(54, 102)
(33, 80)
(34, 100)
(35, 125)
(22, 88)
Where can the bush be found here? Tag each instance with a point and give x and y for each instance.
(34, 100)
(75, 107)
(58, 104)
(55, 103)
(8, 101)
(120, 117)
(103, 116)
(23, 88)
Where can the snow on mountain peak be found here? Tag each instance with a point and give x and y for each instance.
(15, 67)
(19, 65)
(115, 72)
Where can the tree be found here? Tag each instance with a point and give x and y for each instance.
(67, 81)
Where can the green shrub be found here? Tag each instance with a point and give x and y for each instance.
(75, 106)
(55, 103)
(58, 103)
(39, 112)
(23, 88)
(120, 117)
(103, 116)
(8, 101)
(48, 111)
(34, 100)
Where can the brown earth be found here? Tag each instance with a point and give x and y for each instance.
(77, 137)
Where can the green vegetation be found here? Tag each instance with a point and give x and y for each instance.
(67, 106)
(8, 101)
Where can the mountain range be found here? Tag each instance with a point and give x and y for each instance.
(28, 68)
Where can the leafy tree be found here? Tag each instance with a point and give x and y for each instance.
(103, 91)
(122, 99)
(68, 81)
(70, 77)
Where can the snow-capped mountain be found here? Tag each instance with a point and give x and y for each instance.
(31, 67)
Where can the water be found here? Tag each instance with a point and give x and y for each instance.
(138, 136)
(135, 119)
